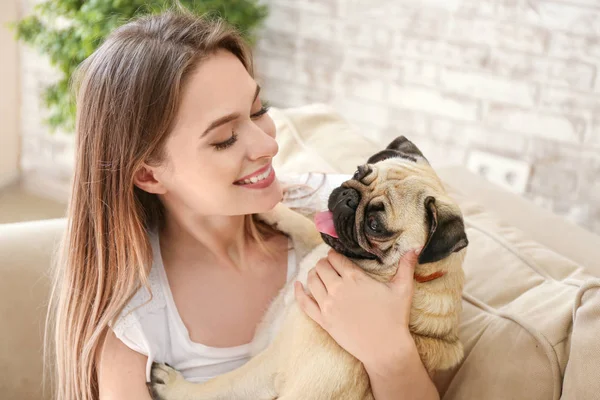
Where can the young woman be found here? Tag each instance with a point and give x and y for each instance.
(163, 259)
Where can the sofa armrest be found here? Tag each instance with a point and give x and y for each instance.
(26, 251)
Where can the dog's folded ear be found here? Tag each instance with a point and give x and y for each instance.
(446, 233)
(400, 147)
(403, 145)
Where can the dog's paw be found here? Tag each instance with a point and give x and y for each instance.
(272, 217)
(167, 383)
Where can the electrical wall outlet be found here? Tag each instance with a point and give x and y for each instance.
(508, 173)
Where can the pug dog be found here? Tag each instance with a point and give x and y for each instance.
(393, 203)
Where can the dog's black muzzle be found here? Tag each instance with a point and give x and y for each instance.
(343, 203)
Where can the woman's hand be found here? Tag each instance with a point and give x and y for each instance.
(369, 319)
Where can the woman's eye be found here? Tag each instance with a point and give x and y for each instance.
(263, 110)
(227, 143)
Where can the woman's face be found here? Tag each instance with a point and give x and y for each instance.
(218, 156)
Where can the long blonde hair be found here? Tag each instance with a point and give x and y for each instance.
(128, 92)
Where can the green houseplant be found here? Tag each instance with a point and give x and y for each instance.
(68, 31)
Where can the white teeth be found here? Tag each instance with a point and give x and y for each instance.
(258, 178)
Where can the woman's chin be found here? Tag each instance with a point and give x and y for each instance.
(274, 198)
(267, 200)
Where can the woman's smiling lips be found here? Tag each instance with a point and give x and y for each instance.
(260, 179)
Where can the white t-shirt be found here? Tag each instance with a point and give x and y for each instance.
(152, 325)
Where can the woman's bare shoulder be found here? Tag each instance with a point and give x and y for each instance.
(121, 371)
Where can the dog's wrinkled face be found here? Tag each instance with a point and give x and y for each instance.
(392, 204)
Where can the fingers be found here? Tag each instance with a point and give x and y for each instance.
(343, 266)
(315, 286)
(406, 268)
(307, 304)
(327, 273)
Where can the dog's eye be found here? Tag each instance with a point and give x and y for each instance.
(373, 224)
(375, 228)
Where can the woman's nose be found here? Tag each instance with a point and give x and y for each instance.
(261, 144)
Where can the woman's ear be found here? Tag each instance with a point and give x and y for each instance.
(146, 178)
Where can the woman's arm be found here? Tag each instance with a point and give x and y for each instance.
(401, 375)
(121, 371)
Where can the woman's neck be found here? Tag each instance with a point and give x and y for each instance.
(199, 237)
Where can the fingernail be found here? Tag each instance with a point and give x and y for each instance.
(418, 251)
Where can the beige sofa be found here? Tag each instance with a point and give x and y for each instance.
(531, 319)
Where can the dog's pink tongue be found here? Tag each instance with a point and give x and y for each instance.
(324, 223)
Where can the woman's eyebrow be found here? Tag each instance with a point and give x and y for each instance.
(220, 121)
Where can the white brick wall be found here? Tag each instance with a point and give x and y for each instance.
(489, 87)
(512, 77)
(433, 100)
(556, 127)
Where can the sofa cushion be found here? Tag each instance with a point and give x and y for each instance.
(315, 138)
(581, 376)
(517, 322)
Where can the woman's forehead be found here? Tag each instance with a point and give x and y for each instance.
(219, 85)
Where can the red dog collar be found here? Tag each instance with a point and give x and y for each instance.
(429, 278)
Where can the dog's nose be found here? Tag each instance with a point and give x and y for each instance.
(350, 198)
